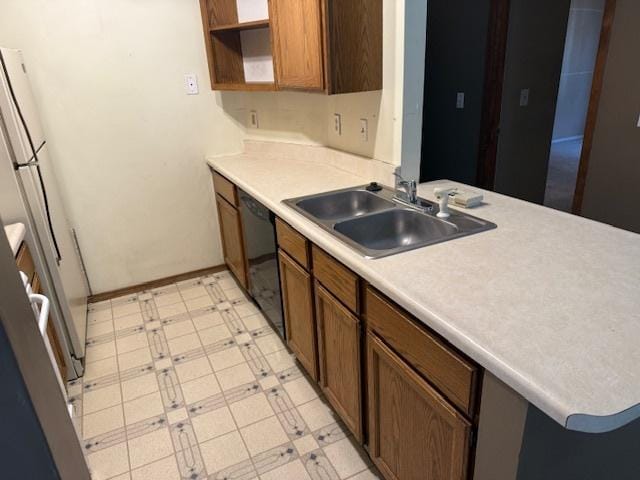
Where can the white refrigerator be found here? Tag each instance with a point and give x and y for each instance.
(29, 194)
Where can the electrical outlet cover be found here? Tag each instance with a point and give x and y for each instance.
(337, 123)
(253, 119)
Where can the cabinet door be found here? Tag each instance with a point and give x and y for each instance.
(339, 354)
(297, 301)
(232, 240)
(297, 43)
(52, 335)
(414, 434)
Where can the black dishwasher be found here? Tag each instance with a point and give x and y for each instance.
(259, 225)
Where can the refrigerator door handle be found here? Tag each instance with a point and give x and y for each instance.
(43, 310)
(46, 209)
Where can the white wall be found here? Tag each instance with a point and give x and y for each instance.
(108, 77)
(129, 144)
(308, 117)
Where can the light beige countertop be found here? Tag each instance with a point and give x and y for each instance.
(548, 302)
(15, 234)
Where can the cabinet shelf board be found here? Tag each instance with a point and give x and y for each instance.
(247, 86)
(241, 26)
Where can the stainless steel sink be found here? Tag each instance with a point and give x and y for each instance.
(344, 204)
(376, 225)
(395, 229)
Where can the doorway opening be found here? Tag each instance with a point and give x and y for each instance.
(506, 108)
(578, 66)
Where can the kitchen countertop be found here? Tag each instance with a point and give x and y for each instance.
(548, 302)
(15, 234)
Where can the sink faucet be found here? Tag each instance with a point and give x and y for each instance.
(410, 187)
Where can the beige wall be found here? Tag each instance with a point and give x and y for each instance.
(128, 142)
(614, 165)
(308, 117)
(533, 61)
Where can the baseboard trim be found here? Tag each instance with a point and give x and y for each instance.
(161, 282)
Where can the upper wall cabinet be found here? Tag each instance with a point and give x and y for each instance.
(330, 46)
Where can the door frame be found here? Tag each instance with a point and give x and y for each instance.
(594, 103)
(492, 101)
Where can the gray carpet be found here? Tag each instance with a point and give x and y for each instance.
(564, 159)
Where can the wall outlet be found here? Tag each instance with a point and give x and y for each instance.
(364, 130)
(337, 123)
(460, 100)
(524, 97)
(191, 84)
(253, 119)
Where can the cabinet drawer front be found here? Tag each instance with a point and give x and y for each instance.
(414, 433)
(24, 260)
(339, 347)
(225, 189)
(337, 278)
(293, 243)
(448, 371)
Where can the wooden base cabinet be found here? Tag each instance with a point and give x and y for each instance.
(232, 240)
(297, 301)
(339, 347)
(54, 341)
(414, 433)
(25, 264)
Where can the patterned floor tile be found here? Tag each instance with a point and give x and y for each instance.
(190, 382)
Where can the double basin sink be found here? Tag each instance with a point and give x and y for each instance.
(377, 224)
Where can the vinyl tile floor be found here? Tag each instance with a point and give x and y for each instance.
(190, 382)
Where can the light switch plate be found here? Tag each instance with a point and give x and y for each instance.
(191, 84)
(364, 130)
(460, 100)
(524, 97)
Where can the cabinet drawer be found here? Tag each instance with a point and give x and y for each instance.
(24, 260)
(455, 376)
(336, 278)
(293, 243)
(225, 189)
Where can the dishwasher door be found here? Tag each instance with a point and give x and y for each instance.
(262, 256)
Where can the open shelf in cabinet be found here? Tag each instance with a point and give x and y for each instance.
(238, 45)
